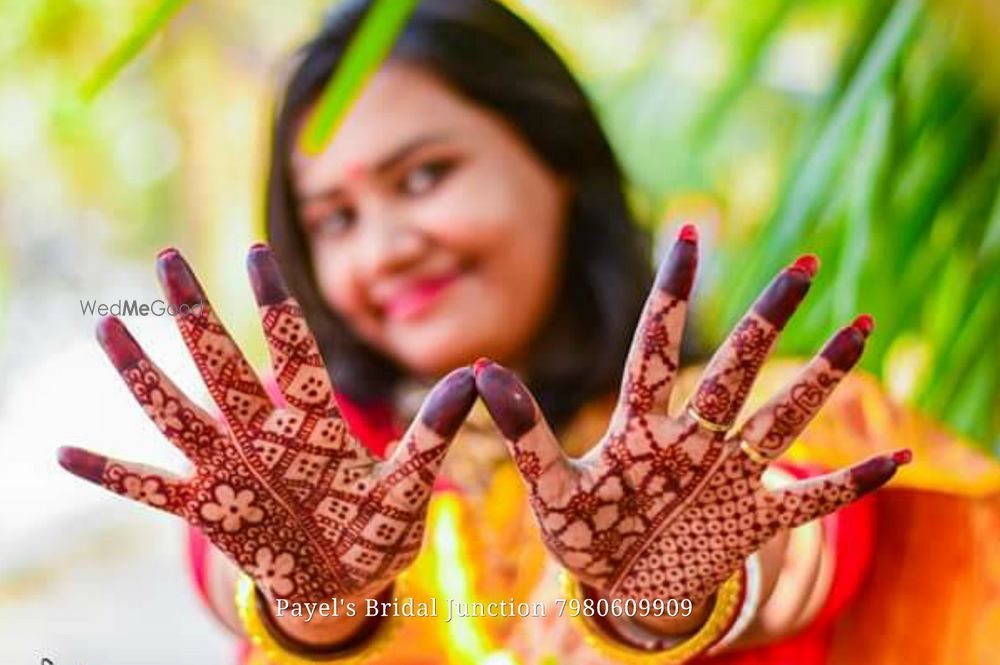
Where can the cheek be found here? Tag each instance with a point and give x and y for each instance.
(522, 276)
(515, 241)
(338, 288)
(497, 219)
(525, 241)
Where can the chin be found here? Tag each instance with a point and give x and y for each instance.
(435, 350)
(434, 361)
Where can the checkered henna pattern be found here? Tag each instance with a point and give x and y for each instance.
(285, 490)
(669, 506)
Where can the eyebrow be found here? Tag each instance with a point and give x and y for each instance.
(387, 163)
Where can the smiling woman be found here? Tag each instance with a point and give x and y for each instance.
(435, 232)
(457, 214)
(470, 206)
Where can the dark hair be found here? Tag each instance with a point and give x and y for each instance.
(496, 61)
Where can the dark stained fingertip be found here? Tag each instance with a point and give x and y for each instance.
(904, 456)
(782, 297)
(268, 283)
(481, 364)
(807, 263)
(676, 273)
(118, 343)
(864, 324)
(869, 476)
(507, 400)
(178, 280)
(82, 463)
(844, 349)
(688, 233)
(450, 401)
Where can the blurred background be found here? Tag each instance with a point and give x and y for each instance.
(865, 131)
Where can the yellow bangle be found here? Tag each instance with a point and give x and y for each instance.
(257, 631)
(728, 600)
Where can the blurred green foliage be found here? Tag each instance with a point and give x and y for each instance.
(862, 130)
(887, 166)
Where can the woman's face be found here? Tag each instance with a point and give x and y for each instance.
(435, 231)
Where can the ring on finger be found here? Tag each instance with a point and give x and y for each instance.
(705, 422)
(754, 453)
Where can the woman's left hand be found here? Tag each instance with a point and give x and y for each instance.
(669, 506)
(280, 484)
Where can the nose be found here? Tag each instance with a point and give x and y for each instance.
(390, 244)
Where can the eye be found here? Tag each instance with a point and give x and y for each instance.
(424, 177)
(338, 222)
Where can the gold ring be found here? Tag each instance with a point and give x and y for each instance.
(706, 423)
(753, 453)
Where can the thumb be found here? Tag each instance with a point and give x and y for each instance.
(535, 450)
(424, 445)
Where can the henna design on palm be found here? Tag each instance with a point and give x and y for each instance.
(670, 505)
(285, 490)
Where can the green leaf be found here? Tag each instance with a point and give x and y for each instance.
(130, 47)
(366, 52)
(811, 181)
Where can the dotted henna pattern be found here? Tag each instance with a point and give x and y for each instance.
(286, 491)
(664, 507)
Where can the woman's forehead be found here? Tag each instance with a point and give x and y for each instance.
(400, 106)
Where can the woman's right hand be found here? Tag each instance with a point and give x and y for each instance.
(285, 490)
(670, 504)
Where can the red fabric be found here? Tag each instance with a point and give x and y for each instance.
(373, 424)
(197, 558)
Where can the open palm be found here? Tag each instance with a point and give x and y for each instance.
(285, 490)
(670, 505)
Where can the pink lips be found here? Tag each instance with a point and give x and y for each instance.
(418, 297)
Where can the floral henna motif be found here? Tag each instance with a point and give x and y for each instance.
(286, 491)
(663, 506)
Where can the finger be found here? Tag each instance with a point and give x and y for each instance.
(653, 358)
(779, 422)
(414, 464)
(139, 482)
(228, 376)
(182, 421)
(534, 448)
(730, 374)
(298, 365)
(808, 499)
